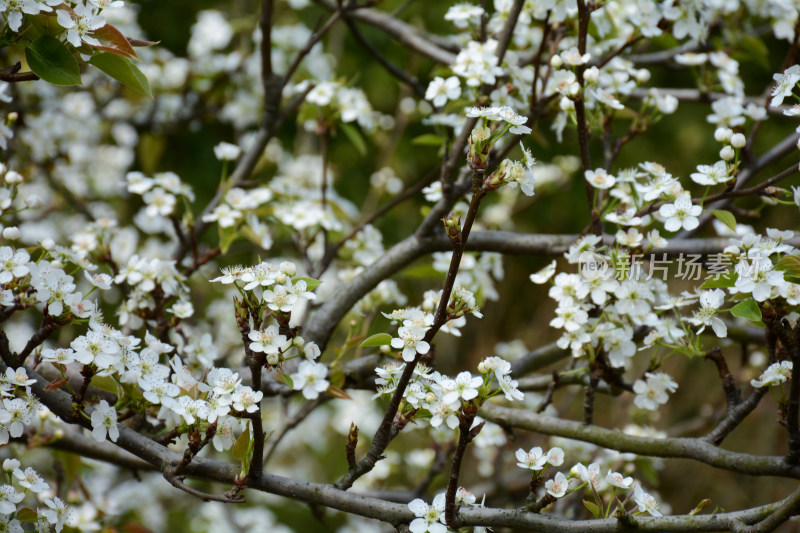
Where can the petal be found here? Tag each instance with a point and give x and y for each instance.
(418, 507)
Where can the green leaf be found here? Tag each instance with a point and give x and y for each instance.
(26, 514)
(593, 508)
(311, 283)
(379, 339)
(789, 264)
(337, 376)
(355, 137)
(106, 383)
(428, 139)
(52, 61)
(288, 380)
(747, 309)
(226, 238)
(242, 445)
(726, 217)
(728, 279)
(123, 70)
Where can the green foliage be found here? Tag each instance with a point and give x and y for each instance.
(52, 61)
(123, 70)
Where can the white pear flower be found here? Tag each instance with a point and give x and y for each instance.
(80, 25)
(410, 340)
(775, 374)
(681, 214)
(557, 487)
(441, 90)
(646, 502)
(104, 421)
(310, 378)
(430, 518)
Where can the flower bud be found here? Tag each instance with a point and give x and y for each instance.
(430, 397)
(48, 244)
(452, 225)
(723, 134)
(288, 268)
(738, 140)
(11, 233)
(642, 75)
(727, 153)
(556, 61)
(479, 148)
(13, 177)
(591, 74)
(482, 368)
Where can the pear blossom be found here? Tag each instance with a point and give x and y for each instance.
(410, 340)
(600, 179)
(104, 421)
(775, 374)
(618, 480)
(711, 175)
(9, 498)
(464, 387)
(310, 378)
(533, 459)
(681, 213)
(80, 24)
(557, 487)
(543, 275)
(441, 90)
(430, 518)
(645, 502)
(785, 83)
(654, 391)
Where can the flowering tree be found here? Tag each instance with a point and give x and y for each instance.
(340, 366)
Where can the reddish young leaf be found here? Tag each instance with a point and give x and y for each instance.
(336, 392)
(114, 42)
(139, 42)
(56, 384)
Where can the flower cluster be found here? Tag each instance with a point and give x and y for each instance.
(442, 397)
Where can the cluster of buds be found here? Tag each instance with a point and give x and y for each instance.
(461, 303)
(508, 171)
(452, 225)
(480, 144)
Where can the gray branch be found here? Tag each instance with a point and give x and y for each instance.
(679, 448)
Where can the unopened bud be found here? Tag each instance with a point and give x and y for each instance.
(479, 148)
(13, 177)
(11, 233)
(288, 268)
(738, 140)
(452, 225)
(591, 74)
(556, 61)
(722, 134)
(48, 244)
(727, 153)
